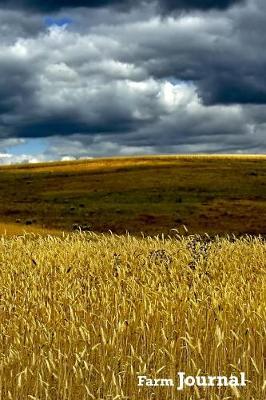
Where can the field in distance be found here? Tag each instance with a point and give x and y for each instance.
(213, 194)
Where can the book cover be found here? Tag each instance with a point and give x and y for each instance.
(132, 206)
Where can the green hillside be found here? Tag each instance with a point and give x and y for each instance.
(212, 194)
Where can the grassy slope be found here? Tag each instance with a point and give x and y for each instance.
(148, 194)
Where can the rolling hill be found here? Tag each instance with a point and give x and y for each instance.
(212, 194)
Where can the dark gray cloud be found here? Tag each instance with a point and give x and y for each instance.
(52, 6)
(234, 89)
(166, 5)
(174, 5)
(17, 24)
(14, 86)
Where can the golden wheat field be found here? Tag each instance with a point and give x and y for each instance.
(82, 315)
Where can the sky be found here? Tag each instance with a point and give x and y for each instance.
(121, 77)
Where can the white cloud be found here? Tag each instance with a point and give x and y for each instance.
(11, 142)
(9, 159)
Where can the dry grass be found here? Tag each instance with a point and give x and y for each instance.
(82, 315)
(125, 161)
(10, 229)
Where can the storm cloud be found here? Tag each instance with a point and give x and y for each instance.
(106, 80)
(169, 5)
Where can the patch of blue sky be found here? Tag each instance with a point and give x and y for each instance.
(30, 146)
(58, 21)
